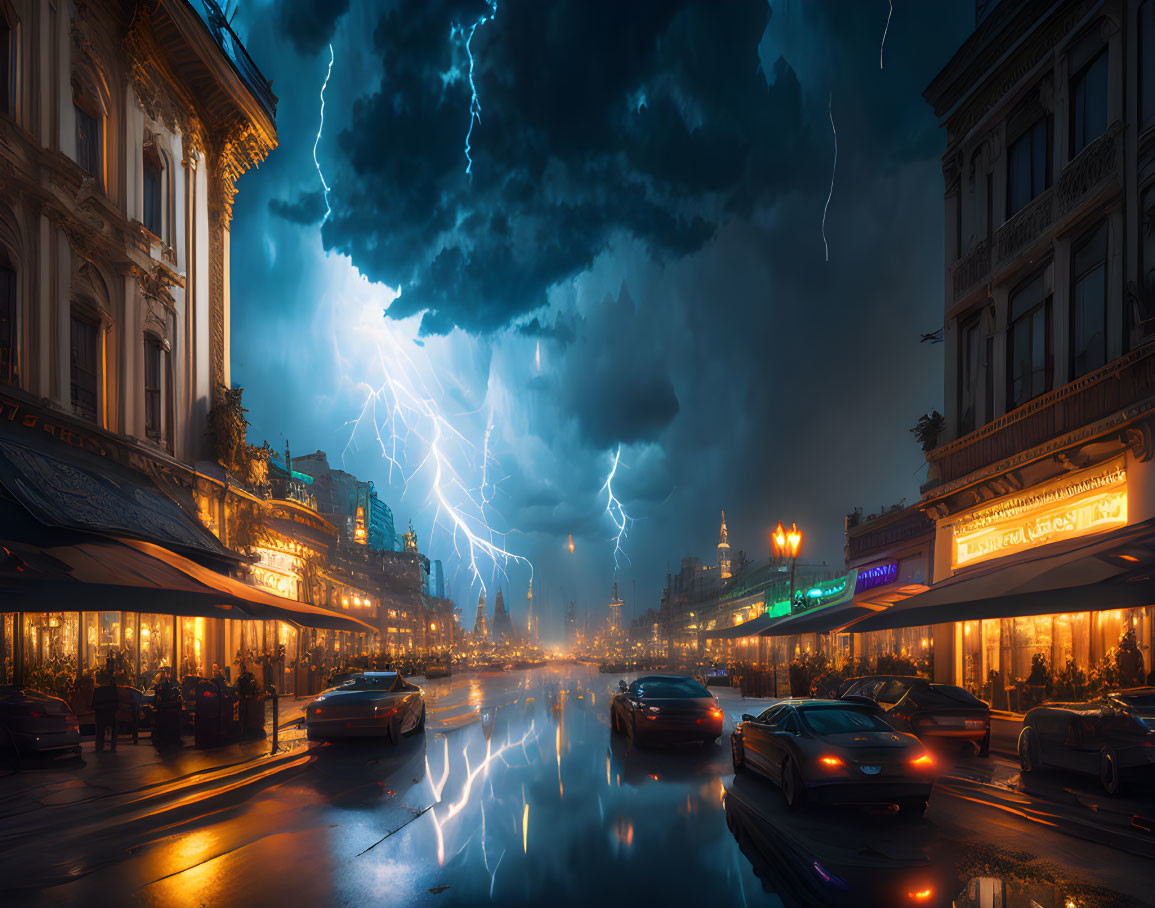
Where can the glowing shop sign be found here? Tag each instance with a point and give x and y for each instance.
(1076, 505)
(879, 575)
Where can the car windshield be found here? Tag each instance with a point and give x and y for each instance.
(370, 682)
(671, 688)
(838, 721)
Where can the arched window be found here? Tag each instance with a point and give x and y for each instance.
(84, 362)
(157, 391)
(152, 214)
(88, 111)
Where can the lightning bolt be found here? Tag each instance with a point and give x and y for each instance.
(618, 515)
(404, 412)
(317, 141)
(884, 31)
(465, 35)
(833, 171)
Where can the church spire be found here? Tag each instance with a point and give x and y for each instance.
(723, 551)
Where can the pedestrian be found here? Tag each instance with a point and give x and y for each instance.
(105, 700)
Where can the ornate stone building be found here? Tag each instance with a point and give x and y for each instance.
(1041, 487)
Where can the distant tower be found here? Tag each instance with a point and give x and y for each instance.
(529, 616)
(615, 613)
(480, 627)
(723, 551)
(410, 539)
(502, 631)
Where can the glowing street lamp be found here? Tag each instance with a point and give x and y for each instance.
(786, 543)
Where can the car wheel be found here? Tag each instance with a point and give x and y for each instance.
(793, 788)
(912, 807)
(737, 751)
(1109, 772)
(985, 746)
(1028, 751)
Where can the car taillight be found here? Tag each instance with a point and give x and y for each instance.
(716, 713)
(925, 720)
(922, 762)
(920, 895)
(831, 761)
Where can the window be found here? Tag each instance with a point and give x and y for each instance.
(1147, 62)
(7, 325)
(1089, 103)
(969, 347)
(1028, 166)
(85, 365)
(88, 141)
(153, 186)
(834, 720)
(1029, 351)
(1089, 302)
(153, 371)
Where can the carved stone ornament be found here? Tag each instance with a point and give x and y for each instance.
(154, 284)
(1137, 438)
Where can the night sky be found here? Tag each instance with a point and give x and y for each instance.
(635, 259)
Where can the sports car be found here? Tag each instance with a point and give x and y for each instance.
(369, 704)
(937, 713)
(835, 752)
(665, 708)
(1112, 737)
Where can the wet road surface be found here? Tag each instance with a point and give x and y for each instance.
(519, 794)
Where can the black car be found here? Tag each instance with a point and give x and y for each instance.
(665, 708)
(940, 713)
(1112, 737)
(836, 752)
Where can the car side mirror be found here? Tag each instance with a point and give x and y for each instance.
(746, 717)
(622, 686)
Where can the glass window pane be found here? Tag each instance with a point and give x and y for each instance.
(1089, 104)
(84, 366)
(1039, 153)
(193, 648)
(1019, 175)
(50, 651)
(156, 647)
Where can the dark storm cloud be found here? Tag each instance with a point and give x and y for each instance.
(599, 119)
(310, 24)
(563, 330)
(308, 209)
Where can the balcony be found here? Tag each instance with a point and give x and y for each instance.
(1107, 394)
(1097, 171)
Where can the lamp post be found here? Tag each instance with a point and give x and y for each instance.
(787, 542)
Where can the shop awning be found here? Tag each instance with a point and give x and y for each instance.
(751, 628)
(1094, 576)
(77, 490)
(266, 604)
(820, 620)
(44, 569)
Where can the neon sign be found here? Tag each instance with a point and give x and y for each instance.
(1076, 505)
(879, 575)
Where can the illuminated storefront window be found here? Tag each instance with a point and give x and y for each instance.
(193, 648)
(156, 646)
(50, 648)
(279, 572)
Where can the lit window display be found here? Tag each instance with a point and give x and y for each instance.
(104, 640)
(1017, 663)
(7, 648)
(50, 640)
(193, 648)
(156, 649)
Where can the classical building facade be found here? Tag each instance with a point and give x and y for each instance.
(1041, 487)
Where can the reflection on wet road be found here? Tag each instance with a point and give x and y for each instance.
(518, 794)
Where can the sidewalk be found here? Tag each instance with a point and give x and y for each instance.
(136, 769)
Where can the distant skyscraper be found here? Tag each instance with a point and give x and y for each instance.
(502, 630)
(480, 626)
(615, 613)
(723, 551)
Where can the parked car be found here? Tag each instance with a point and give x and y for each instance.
(1112, 737)
(938, 713)
(32, 723)
(367, 705)
(665, 708)
(836, 752)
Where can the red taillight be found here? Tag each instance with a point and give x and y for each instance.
(716, 713)
(831, 761)
(922, 762)
(921, 895)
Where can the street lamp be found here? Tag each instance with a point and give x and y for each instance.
(787, 543)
